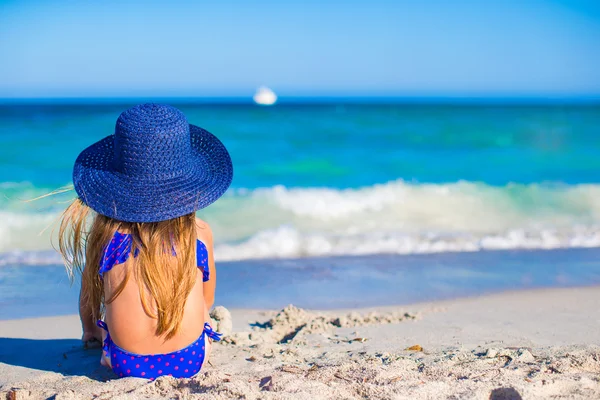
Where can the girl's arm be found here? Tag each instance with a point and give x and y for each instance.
(205, 235)
(90, 330)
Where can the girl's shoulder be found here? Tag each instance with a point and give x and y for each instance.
(204, 232)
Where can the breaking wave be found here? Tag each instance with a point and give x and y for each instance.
(396, 217)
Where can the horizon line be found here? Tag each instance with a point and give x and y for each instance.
(315, 99)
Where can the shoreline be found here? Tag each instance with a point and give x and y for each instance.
(416, 306)
(539, 343)
(332, 283)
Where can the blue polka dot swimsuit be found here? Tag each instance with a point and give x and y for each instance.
(183, 363)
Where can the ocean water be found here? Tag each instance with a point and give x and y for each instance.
(339, 179)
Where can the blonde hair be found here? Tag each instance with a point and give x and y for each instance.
(164, 266)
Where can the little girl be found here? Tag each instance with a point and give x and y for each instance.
(146, 261)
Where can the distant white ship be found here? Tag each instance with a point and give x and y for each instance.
(264, 96)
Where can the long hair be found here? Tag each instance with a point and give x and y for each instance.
(164, 266)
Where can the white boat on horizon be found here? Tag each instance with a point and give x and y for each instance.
(264, 96)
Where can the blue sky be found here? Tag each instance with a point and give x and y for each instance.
(300, 48)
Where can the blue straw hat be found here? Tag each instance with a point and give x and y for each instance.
(155, 167)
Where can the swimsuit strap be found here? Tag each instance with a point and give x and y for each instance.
(116, 252)
(106, 344)
(202, 260)
(118, 249)
(216, 336)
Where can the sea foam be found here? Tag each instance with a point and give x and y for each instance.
(396, 217)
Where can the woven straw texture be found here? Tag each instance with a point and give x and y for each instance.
(155, 167)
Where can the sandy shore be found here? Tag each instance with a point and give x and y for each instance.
(531, 345)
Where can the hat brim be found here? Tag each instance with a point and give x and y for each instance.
(134, 199)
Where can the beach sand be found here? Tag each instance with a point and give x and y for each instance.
(533, 345)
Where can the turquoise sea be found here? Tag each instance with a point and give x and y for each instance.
(475, 186)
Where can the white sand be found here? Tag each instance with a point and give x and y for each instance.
(535, 345)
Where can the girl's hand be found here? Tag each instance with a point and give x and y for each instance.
(87, 336)
(90, 335)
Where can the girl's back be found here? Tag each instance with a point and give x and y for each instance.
(132, 329)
